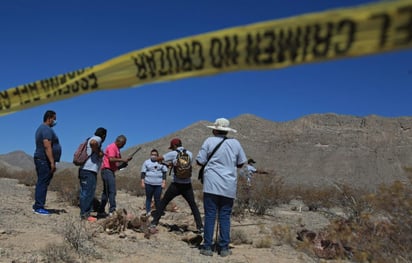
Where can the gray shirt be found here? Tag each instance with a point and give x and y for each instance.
(171, 157)
(94, 162)
(220, 174)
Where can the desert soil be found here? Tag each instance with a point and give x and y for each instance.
(24, 235)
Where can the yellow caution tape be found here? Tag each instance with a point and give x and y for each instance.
(340, 33)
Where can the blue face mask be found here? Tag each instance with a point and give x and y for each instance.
(54, 123)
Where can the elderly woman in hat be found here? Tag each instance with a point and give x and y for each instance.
(219, 183)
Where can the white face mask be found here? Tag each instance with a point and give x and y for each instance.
(153, 158)
(54, 123)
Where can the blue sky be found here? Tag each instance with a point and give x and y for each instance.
(43, 38)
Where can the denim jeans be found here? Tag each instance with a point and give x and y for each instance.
(172, 191)
(152, 191)
(88, 181)
(109, 191)
(222, 207)
(44, 178)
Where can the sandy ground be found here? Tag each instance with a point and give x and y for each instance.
(24, 235)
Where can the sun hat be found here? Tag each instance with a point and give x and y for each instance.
(221, 124)
(175, 141)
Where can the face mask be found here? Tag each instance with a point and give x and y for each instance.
(54, 123)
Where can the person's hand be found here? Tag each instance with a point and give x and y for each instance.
(142, 184)
(52, 168)
(163, 184)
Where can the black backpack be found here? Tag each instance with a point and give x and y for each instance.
(183, 166)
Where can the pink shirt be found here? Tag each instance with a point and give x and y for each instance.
(112, 151)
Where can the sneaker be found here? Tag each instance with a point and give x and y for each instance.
(225, 252)
(153, 229)
(101, 215)
(41, 211)
(206, 252)
(91, 219)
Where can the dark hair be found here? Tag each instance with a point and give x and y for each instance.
(121, 138)
(48, 114)
(220, 132)
(100, 132)
(154, 150)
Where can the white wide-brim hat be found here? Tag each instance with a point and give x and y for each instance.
(222, 124)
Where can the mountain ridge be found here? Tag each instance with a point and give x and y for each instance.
(313, 150)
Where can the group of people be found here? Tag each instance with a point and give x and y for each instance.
(220, 155)
(48, 153)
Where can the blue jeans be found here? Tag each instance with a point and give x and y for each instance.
(88, 181)
(44, 177)
(152, 191)
(221, 206)
(109, 191)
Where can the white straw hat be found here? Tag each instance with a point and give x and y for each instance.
(221, 124)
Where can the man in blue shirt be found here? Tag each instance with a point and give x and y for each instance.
(220, 184)
(46, 154)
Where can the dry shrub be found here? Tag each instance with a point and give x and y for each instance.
(26, 177)
(66, 184)
(391, 232)
(239, 236)
(130, 185)
(58, 253)
(80, 237)
(265, 192)
(378, 227)
(313, 198)
(282, 233)
(265, 242)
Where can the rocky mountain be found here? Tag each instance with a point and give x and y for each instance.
(315, 150)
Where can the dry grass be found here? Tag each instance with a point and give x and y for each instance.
(375, 227)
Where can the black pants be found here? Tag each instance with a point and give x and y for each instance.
(172, 191)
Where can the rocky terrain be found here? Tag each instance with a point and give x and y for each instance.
(315, 150)
(27, 237)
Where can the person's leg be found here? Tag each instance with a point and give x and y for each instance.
(157, 194)
(111, 186)
(105, 192)
(171, 193)
(188, 195)
(87, 191)
(210, 208)
(43, 180)
(225, 211)
(149, 189)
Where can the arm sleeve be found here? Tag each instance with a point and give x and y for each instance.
(142, 175)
